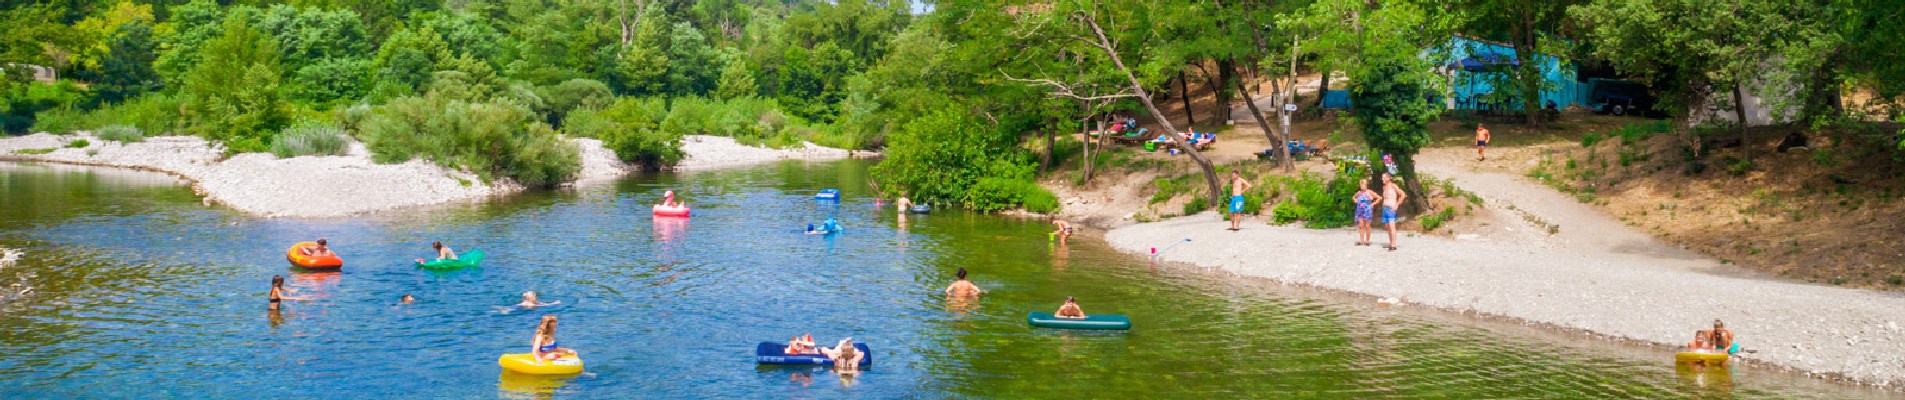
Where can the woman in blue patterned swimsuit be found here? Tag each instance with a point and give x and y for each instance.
(1365, 212)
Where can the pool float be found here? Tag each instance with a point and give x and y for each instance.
(1101, 321)
(920, 209)
(771, 353)
(829, 194)
(1706, 355)
(666, 211)
(313, 262)
(526, 363)
(465, 260)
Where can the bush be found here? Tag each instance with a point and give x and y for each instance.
(1436, 220)
(62, 121)
(1286, 213)
(78, 144)
(949, 155)
(121, 133)
(488, 138)
(991, 194)
(310, 138)
(1591, 138)
(630, 127)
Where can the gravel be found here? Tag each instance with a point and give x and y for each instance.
(1823, 330)
(334, 186)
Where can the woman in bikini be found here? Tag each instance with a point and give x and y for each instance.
(544, 344)
(278, 290)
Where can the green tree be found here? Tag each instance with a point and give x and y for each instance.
(127, 70)
(1526, 25)
(1380, 50)
(737, 80)
(690, 62)
(235, 96)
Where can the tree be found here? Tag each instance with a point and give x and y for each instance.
(126, 71)
(737, 80)
(1525, 24)
(1390, 83)
(690, 62)
(234, 93)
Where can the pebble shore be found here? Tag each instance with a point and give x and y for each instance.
(334, 186)
(1819, 330)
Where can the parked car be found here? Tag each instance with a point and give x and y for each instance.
(1618, 97)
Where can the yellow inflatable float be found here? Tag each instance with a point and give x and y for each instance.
(526, 363)
(1710, 356)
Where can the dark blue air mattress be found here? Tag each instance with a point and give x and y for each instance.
(920, 209)
(772, 353)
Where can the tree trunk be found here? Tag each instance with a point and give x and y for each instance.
(1530, 72)
(1282, 144)
(1322, 89)
(1739, 113)
(1185, 84)
(1226, 70)
(1210, 173)
(1406, 165)
(1045, 160)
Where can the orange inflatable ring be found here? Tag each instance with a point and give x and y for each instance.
(301, 260)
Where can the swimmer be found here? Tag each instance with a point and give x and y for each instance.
(530, 301)
(278, 290)
(904, 204)
(543, 346)
(962, 287)
(443, 252)
(803, 344)
(832, 225)
(1070, 309)
(316, 250)
(1064, 230)
(845, 357)
(407, 299)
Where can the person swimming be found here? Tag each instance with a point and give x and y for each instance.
(845, 357)
(803, 344)
(1069, 309)
(961, 286)
(832, 225)
(530, 301)
(277, 292)
(407, 299)
(443, 252)
(544, 346)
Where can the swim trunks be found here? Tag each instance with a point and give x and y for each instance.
(1483, 143)
(1388, 214)
(1236, 204)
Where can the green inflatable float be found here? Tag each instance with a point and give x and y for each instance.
(1103, 321)
(465, 260)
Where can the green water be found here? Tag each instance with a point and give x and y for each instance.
(135, 289)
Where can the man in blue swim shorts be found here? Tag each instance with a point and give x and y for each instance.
(1392, 196)
(1237, 186)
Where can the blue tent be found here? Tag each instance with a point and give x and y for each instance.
(1338, 99)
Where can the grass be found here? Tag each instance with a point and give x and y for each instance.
(121, 133)
(78, 144)
(310, 138)
(36, 151)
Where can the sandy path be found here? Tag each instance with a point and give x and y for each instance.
(1596, 275)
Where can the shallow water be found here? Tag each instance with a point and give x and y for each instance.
(138, 290)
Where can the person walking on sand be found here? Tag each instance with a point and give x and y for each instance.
(1365, 211)
(1392, 196)
(1237, 186)
(1481, 143)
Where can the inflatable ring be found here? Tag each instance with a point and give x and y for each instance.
(526, 363)
(315, 262)
(666, 211)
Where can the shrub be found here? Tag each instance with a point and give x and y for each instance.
(991, 194)
(1196, 205)
(78, 144)
(62, 121)
(121, 133)
(488, 138)
(575, 94)
(1436, 220)
(1286, 213)
(310, 138)
(630, 127)
(1591, 138)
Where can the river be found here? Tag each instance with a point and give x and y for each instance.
(134, 288)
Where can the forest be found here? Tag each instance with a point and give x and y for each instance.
(965, 97)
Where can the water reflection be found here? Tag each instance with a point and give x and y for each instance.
(517, 385)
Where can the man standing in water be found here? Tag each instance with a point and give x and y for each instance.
(1237, 186)
(1392, 196)
(1481, 142)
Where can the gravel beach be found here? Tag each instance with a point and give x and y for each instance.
(1820, 330)
(334, 186)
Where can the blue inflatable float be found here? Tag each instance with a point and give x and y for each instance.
(920, 209)
(1102, 321)
(771, 353)
(829, 194)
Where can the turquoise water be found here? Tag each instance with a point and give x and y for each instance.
(135, 289)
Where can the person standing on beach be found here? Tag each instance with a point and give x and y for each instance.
(1392, 196)
(1365, 211)
(1237, 186)
(1481, 142)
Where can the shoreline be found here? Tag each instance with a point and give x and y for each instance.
(262, 185)
(1820, 331)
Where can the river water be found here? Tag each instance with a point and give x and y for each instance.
(136, 289)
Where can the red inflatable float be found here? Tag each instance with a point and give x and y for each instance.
(329, 261)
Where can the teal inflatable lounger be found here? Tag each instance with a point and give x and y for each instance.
(467, 259)
(1105, 321)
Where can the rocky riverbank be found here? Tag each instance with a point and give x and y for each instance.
(332, 186)
(1631, 294)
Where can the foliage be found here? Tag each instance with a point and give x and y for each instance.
(942, 157)
(1432, 221)
(573, 94)
(310, 138)
(126, 70)
(234, 95)
(62, 121)
(28, 104)
(490, 138)
(120, 133)
(78, 144)
(632, 128)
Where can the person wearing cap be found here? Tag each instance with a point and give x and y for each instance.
(844, 356)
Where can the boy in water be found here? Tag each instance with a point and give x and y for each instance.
(1481, 143)
(1392, 197)
(1063, 232)
(1237, 186)
(962, 287)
